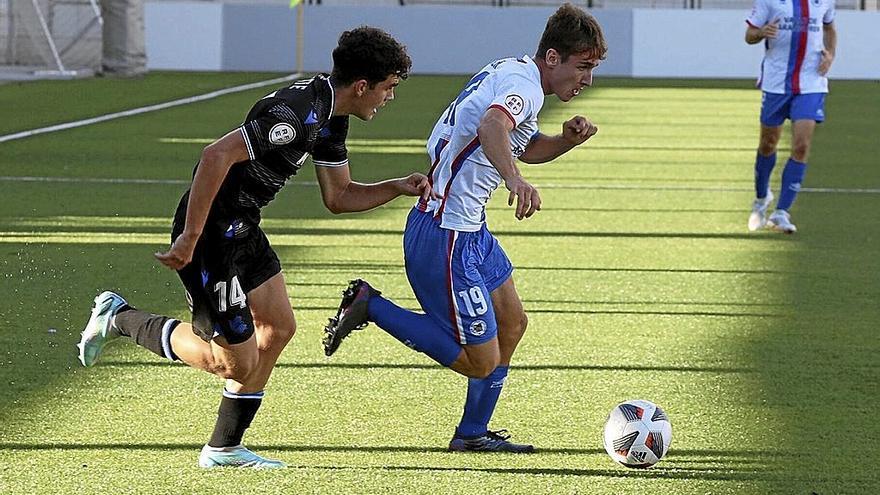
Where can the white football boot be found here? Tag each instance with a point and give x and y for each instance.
(780, 221)
(99, 330)
(758, 217)
(238, 456)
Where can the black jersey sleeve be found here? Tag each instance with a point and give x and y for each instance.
(329, 149)
(275, 126)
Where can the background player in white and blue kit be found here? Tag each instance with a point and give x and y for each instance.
(473, 317)
(800, 41)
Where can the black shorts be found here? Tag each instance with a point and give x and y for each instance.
(231, 259)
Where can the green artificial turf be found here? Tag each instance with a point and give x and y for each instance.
(638, 275)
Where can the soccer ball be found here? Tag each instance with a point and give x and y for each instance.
(637, 433)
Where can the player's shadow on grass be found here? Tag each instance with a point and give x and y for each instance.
(599, 210)
(312, 231)
(603, 312)
(707, 473)
(721, 464)
(412, 300)
(351, 266)
(347, 232)
(658, 313)
(524, 367)
(698, 455)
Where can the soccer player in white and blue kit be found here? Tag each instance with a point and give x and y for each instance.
(800, 42)
(473, 317)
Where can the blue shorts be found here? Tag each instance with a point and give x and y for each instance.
(453, 274)
(775, 108)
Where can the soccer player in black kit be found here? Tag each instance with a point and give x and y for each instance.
(241, 314)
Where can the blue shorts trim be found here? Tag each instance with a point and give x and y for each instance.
(775, 108)
(453, 275)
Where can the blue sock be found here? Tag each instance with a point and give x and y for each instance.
(763, 168)
(792, 176)
(416, 330)
(482, 395)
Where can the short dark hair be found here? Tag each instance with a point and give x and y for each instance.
(368, 53)
(571, 30)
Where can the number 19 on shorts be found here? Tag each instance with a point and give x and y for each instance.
(474, 301)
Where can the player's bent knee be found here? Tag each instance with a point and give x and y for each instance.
(800, 151)
(484, 367)
(485, 370)
(237, 370)
(275, 336)
(473, 366)
(767, 147)
(230, 372)
(281, 335)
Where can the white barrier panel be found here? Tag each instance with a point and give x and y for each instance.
(711, 44)
(858, 46)
(456, 40)
(192, 35)
(184, 35)
(693, 43)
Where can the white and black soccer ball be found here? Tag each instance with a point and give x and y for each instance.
(637, 433)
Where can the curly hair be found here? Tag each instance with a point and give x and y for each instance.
(368, 53)
(571, 30)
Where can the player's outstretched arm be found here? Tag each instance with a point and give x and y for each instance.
(543, 148)
(342, 195)
(216, 160)
(494, 134)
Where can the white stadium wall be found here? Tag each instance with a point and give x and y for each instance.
(710, 44)
(235, 36)
(184, 35)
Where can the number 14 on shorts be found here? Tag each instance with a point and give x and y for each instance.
(235, 294)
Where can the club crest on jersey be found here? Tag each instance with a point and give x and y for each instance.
(478, 328)
(281, 133)
(517, 150)
(514, 103)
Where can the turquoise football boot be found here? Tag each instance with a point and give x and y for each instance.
(238, 456)
(100, 330)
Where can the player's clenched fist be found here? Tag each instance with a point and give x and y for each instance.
(578, 129)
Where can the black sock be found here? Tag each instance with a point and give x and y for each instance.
(234, 416)
(152, 332)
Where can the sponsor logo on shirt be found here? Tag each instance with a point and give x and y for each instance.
(281, 133)
(514, 103)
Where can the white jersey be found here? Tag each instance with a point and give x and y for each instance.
(460, 170)
(791, 62)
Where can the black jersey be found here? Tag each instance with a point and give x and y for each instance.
(280, 131)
